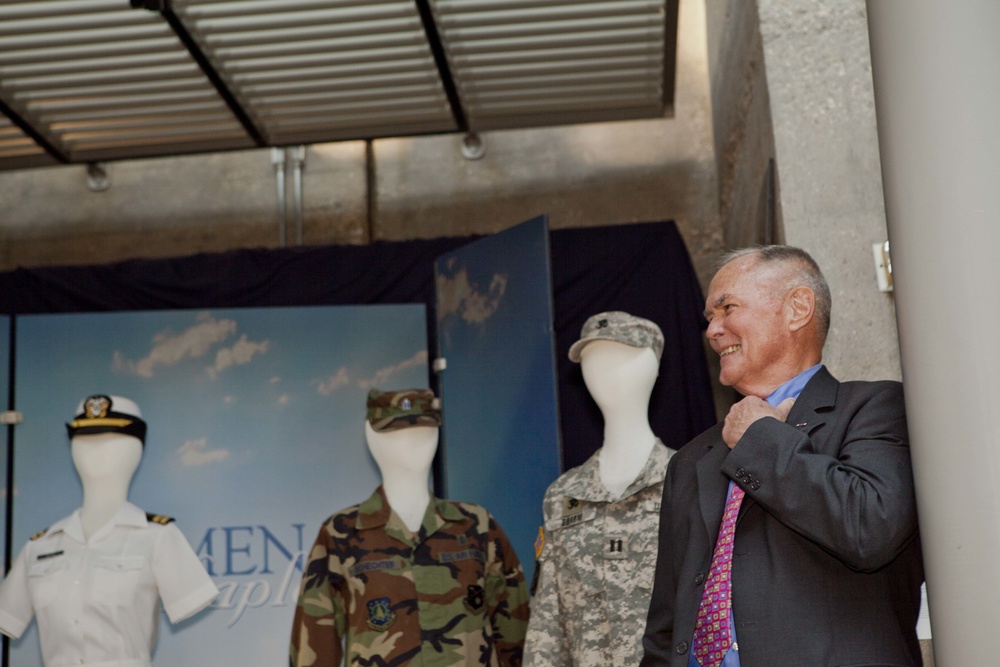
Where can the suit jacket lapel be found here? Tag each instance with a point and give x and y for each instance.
(712, 484)
(817, 398)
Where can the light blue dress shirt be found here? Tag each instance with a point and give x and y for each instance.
(790, 389)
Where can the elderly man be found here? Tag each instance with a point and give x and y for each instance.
(788, 533)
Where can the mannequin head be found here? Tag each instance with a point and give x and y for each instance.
(402, 429)
(408, 451)
(617, 374)
(107, 436)
(106, 457)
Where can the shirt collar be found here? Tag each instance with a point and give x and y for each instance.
(593, 489)
(375, 511)
(127, 515)
(793, 387)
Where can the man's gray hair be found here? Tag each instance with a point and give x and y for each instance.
(807, 274)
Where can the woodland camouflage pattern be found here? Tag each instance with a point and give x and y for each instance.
(393, 410)
(452, 594)
(595, 570)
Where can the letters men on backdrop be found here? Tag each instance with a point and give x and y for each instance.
(819, 564)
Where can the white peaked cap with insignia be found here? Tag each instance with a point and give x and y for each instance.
(105, 413)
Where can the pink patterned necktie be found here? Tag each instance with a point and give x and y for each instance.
(711, 629)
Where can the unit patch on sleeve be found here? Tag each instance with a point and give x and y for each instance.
(380, 614)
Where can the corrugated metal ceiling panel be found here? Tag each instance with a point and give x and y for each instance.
(528, 62)
(94, 80)
(309, 71)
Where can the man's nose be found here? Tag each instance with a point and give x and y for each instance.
(714, 329)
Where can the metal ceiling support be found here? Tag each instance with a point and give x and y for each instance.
(444, 69)
(670, 47)
(189, 42)
(35, 135)
(278, 161)
(298, 157)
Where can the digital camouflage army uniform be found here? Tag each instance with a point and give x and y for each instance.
(596, 568)
(453, 594)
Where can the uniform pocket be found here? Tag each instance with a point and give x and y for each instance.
(116, 579)
(45, 579)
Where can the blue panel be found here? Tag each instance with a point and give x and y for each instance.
(256, 435)
(495, 331)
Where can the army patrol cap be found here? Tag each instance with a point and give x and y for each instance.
(102, 413)
(402, 408)
(620, 327)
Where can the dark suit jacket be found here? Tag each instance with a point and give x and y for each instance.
(827, 566)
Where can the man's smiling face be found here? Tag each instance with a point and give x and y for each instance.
(747, 325)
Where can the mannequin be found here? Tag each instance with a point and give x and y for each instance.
(404, 458)
(106, 463)
(620, 379)
(597, 550)
(95, 580)
(404, 572)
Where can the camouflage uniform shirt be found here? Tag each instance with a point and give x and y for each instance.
(596, 568)
(451, 594)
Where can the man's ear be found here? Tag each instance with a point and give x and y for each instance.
(801, 305)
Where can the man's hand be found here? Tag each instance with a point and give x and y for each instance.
(749, 410)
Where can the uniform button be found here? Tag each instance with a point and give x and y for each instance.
(740, 472)
(682, 648)
(755, 485)
(699, 578)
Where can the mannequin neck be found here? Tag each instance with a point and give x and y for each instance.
(620, 379)
(106, 463)
(408, 496)
(628, 441)
(404, 458)
(102, 498)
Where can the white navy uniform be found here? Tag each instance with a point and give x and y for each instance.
(97, 601)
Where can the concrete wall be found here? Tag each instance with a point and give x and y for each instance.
(826, 147)
(791, 79)
(742, 123)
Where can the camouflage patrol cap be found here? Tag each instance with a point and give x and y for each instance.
(402, 408)
(621, 327)
(102, 413)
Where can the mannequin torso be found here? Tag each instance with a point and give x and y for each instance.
(620, 379)
(404, 457)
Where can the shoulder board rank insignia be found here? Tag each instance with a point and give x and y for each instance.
(159, 518)
(39, 534)
(380, 614)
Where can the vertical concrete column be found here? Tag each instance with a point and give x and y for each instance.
(819, 83)
(937, 96)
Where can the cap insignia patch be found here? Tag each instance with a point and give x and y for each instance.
(96, 407)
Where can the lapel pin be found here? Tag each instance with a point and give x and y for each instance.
(800, 424)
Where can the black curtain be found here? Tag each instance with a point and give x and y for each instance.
(642, 268)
